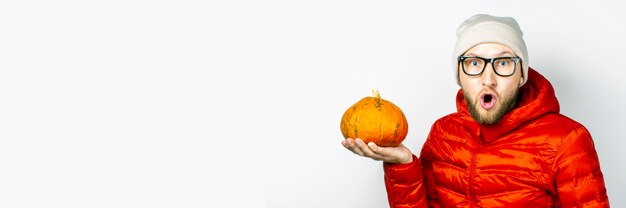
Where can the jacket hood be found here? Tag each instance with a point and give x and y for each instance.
(535, 98)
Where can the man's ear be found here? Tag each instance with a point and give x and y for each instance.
(521, 80)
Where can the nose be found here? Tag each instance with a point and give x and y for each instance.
(489, 76)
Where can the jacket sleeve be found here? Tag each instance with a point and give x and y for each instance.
(579, 181)
(405, 185)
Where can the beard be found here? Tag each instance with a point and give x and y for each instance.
(502, 107)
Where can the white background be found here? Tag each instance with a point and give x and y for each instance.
(237, 103)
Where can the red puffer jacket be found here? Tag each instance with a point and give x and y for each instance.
(533, 157)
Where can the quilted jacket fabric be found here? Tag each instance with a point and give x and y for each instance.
(533, 157)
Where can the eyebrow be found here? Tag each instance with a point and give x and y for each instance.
(497, 55)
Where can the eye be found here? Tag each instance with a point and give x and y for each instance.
(504, 62)
(474, 63)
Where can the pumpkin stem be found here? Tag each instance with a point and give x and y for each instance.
(375, 93)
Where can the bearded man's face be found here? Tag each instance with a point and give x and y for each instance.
(490, 96)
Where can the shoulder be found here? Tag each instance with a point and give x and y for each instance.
(447, 123)
(565, 135)
(448, 129)
(555, 124)
(572, 134)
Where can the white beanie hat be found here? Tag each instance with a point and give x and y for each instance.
(482, 28)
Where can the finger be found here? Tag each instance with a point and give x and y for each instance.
(353, 147)
(376, 149)
(386, 153)
(356, 148)
(360, 143)
(348, 143)
(399, 154)
(367, 151)
(381, 152)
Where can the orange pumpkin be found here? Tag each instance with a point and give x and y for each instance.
(374, 119)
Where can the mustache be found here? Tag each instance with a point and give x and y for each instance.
(503, 107)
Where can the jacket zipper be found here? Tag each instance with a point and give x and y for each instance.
(472, 174)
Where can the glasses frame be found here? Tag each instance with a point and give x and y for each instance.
(516, 60)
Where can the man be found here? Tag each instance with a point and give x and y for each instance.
(506, 146)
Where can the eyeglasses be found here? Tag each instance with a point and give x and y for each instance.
(475, 66)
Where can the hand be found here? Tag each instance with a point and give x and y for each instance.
(399, 154)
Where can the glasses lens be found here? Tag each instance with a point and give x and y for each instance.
(473, 66)
(504, 66)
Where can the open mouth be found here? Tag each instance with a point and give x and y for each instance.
(487, 101)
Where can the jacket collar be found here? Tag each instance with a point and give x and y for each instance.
(535, 99)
